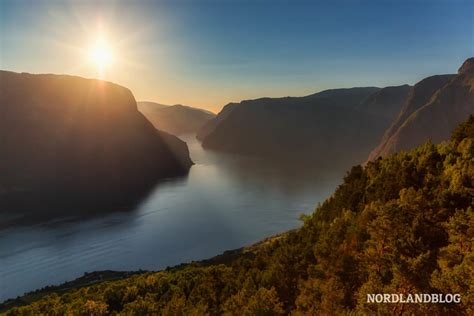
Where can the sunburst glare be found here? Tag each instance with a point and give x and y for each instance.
(102, 56)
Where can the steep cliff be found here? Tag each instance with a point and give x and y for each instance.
(73, 143)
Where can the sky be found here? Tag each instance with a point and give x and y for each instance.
(209, 53)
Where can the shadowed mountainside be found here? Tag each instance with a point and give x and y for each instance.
(74, 143)
(435, 107)
(317, 128)
(175, 119)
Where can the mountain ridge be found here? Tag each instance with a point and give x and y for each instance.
(310, 128)
(442, 101)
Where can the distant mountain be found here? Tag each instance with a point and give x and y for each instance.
(436, 105)
(175, 119)
(150, 106)
(337, 126)
(74, 143)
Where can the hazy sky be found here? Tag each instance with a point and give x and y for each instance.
(209, 53)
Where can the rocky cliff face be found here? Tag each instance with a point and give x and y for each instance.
(175, 119)
(321, 128)
(435, 107)
(72, 143)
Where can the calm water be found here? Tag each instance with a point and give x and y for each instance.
(224, 203)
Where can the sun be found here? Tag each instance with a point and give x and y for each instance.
(102, 56)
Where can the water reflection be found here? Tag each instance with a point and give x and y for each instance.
(225, 202)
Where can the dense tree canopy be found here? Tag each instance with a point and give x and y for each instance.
(402, 224)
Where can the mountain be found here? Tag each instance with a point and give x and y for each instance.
(207, 128)
(317, 128)
(435, 107)
(175, 119)
(147, 106)
(401, 225)
(386, 102)
(74, 143)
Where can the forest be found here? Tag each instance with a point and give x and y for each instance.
(401, 224)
